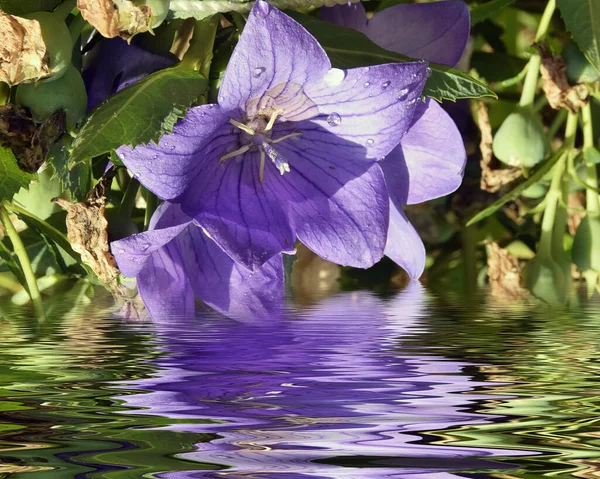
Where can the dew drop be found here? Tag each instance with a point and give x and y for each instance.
(428, 72)
(121, 251)
(155, 157)
(370, 141)
(402, 94)
(334, 119)
(263, 8)
(366, 70)
(367, 84)
(334, 77)
(172, 148)
(410, 103)
(385, 85)
(257, 72)
(136, 175)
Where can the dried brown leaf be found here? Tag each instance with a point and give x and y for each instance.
(116, 18)
(29, 141)
(87, 231)
(504, 274)
(492, 177)
(555, 84)
(23, 56)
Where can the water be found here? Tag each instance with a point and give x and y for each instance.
(355, 386)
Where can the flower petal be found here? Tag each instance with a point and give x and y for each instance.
(239, 213)
(113, 64)
(164, 286)
(351, 15)
(372, 106)
(228, 287)
(404, 246)
(429, 162)
(169, 168)
(437, 32)
(273, 50)
(132, 253)
(337, 204)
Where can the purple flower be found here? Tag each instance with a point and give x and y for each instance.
(429, 161)
(175, 260)
(113, 64)
(289, 152)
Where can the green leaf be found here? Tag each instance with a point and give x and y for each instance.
(480, 13)
(200, 9)
(349, 49)
(12, 178)
(21, 7)
(7, 258)
(138, 114)
(582, 18)
(536, 176)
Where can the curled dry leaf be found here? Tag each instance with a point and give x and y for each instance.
(23, 56)
(504, 274)
(29, 141)
(556, 86)
(87, 231)
(116, 18)
(492, 177)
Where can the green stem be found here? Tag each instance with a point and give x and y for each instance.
(66, 7)
(21, 253)
(559, 119)
(4, 93)
(200, 52)
(129, 198)
(8, 284)
(151, 204)
(591, 194)
(588, 128)
(76, 26)
(469, 248)
(552, 199)
(533, 67)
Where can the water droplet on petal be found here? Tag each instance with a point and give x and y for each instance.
(121, 251)
(402, 94)
(258, 72)
(385, 85)
(367, 84)
(370, 141)
(366, 70)
(428, 72)
(334, 77)
(155, 157)
(262, 8)
(172, 148)
(410, 103)
(136, 175)
(334, 119)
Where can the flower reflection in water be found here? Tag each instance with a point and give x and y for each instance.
(328, 392)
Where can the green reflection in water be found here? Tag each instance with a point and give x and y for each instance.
(550, 362)
(58, 412)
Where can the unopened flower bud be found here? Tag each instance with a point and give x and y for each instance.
(520, 140)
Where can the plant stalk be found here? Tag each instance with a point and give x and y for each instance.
(21, 253)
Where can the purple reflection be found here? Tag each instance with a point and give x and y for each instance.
(331, 384)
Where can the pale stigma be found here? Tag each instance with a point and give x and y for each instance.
(280, 162)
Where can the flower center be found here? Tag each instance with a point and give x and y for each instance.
(258, 132)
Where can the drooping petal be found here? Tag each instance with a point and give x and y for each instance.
(169, 168)
(371, 107)
(437, 32)
(348, 16)
(404, 246)
(273, 50)
(242, 215)
(113, 64)
(430, 161)
(132, 253)
(338, 205)
(228, 287)
(164, 286)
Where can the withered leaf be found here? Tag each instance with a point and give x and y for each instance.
(492, 177)
(23, 56)
(504, 274)
(87, 231)
(116, 18)
(555, 84)
(30, 142)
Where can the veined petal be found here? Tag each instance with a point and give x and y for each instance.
(338, 205)
(371, 106)
(228, 287)
(351, 15)
(273, 50)
(241, 214)
(430, 161)
(132, 253)
(437, 32)
(164, 286)
(169, 168)
(404, 246)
